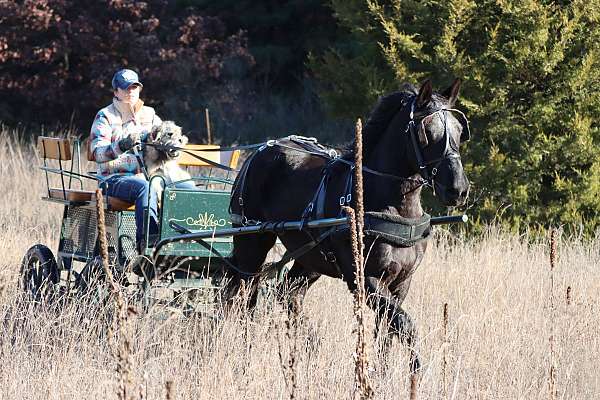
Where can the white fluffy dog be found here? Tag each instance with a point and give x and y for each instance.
(161, 160)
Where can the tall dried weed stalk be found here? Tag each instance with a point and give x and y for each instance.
(363, 389)
(289, 361)
(552, 377)
(121, 338)
(169, 390)
(444, 348)
(414, 386)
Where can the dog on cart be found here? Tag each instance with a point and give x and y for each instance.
(160, 153)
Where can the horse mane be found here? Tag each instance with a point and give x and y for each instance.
(382, 114)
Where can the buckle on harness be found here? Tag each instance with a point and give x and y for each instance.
(330, 257)
(346, 199)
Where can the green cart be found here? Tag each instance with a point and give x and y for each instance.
(180, 269)
(184, 262)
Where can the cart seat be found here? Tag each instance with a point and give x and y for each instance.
(87, 196)
(74, 195)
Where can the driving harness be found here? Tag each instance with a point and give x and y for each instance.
(386, 227)
(380, 226)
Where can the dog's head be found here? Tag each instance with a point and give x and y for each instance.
(167, 136)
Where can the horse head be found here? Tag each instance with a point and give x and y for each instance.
(416, 132)
(436, 132)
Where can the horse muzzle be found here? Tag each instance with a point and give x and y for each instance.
(451, 185)
(455, 197)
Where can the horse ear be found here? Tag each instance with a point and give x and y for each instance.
(424, 96)
(452, 92)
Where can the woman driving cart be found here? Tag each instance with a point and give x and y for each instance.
(116, 130)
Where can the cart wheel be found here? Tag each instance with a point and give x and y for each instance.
(39, 273)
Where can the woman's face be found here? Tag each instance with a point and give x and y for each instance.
(131, 95)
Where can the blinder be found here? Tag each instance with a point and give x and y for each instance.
(465, 135)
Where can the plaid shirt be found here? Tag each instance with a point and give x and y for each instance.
(112, 125)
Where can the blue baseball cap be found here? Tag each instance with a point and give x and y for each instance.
(125, 78)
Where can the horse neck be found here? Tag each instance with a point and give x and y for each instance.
(390, 155)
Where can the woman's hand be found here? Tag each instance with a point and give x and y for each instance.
(128, 142)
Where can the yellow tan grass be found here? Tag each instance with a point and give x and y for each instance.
(497, 342)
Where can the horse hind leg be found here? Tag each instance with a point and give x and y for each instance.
(249, 253)
(396, 320)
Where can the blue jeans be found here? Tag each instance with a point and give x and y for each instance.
(136, 190)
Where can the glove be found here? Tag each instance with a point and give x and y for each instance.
(128, 142)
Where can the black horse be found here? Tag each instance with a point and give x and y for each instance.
(411, 139)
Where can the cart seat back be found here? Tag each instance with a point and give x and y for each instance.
(59, 149)
(208, 151)
(56, 154)
(54, 148)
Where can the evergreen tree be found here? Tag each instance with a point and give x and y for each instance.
(532, 78)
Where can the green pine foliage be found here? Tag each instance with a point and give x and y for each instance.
(531, 90)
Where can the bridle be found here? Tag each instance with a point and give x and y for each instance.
(428, 168)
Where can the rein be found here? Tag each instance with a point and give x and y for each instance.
(330, 154)
(309, 145)
(427, 176)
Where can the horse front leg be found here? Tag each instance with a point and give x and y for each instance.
(389, 313)
(293, 290)
(249, 253)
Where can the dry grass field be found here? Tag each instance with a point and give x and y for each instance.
(496, 346)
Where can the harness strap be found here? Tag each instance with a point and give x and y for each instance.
(319, 194)
(346, 197)
(241, 147)
(242, 187)
(302, 250)
(418, 152)
(191, 153)
(382, 174)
